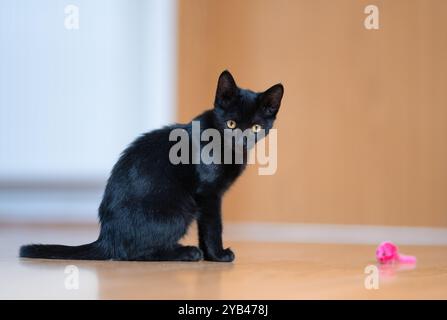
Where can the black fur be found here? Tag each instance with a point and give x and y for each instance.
(149, 202)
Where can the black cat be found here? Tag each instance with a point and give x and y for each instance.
(149, 202)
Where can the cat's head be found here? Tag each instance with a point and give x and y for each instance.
(243, 109)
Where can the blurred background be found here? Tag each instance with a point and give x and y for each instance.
(362, 129)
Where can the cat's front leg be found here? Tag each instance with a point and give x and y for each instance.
(210, 230)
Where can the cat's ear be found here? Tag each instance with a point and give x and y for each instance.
(226, 89)
(271, 100)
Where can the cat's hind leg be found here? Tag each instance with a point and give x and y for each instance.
(176, 253)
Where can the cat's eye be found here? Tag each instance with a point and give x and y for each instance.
(231, 124)
(256, 128)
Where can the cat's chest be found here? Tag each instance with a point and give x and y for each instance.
(214, 178)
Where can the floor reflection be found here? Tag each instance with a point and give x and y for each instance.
(53, 279)
(108, 280)
(389, 271)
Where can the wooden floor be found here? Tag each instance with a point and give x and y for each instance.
(261, 271)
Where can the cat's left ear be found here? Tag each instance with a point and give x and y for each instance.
(271, 100)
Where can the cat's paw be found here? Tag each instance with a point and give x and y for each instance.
(225, 255)
(191, 253)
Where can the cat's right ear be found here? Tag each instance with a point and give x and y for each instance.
(271, 100)
(226, 89)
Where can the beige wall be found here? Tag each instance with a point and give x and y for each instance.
(363, 126)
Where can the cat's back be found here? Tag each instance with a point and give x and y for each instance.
(144, 165)
(151, 147)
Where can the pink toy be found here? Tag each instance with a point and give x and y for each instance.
(387, 252)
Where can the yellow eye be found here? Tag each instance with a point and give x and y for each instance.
(231, 124)
(256, 128)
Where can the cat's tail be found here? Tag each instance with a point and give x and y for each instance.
(91, 251)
